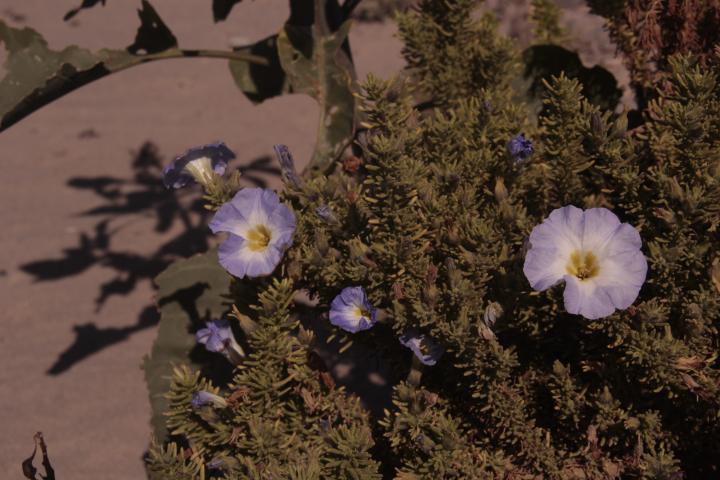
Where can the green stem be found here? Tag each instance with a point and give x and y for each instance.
(186, 53)
(110, 61)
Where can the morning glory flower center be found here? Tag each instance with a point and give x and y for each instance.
(361, 312)
(201, 169)
(258, 238)
(583, 265)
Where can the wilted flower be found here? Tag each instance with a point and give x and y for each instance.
(261, 229)
(598, 257)
(202, 398)
(520, 148)
(424, 348)
(199, 164)
(218, 337)
(352, 311)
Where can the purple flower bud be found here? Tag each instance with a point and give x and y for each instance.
(287, 165)
(325, 213)
(520, 148)
(424, 348)
(202, 398)
(215, 464)
(197, 164)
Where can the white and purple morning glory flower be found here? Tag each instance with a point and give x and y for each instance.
(598, 257)
(520, 148)
(218, 337)
(202, 398)
(424, 348)
(352, 311)
(261, 229)
(198, 164)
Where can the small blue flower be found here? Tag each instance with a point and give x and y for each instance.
(352, 311)
(424, 348)
(520, 148)
(261, 229)
(325, 213)
(197, 164)
(597, 257)
(202, 398)
(218, 337)
(287, 165)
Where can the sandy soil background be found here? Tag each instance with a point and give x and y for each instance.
(79, 219)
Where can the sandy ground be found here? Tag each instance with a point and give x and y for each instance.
(70, 365)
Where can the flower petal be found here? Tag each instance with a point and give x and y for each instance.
(586, 298)
(229, 219)
(599, 229)
(256, 204)
(551, 244)
(622, 276)
(262, 263)
(231, 255)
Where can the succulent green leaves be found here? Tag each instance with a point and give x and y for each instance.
(189, 291)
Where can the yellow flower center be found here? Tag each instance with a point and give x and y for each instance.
(583, 265)
(361, 312)
(258, 238)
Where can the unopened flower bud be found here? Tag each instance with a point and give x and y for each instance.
(203, 398)
(492, 312)
(287, 165)
(520, 149)
(501, 192)
(326, 214)
(666, 215)
(715, 274)
(596, 123)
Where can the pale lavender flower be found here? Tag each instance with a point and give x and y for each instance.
(198, 164)
(261, 229)
(424, 348)
(520, 148)
(352, 311)
(218, 337)
(598, 257)
(203, 397)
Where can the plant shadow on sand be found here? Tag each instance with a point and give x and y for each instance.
(126, 201)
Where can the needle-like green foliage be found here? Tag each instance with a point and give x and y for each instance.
(431, 217)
